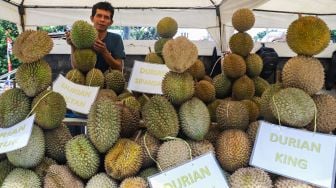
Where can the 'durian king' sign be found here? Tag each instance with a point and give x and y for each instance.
(295, 153)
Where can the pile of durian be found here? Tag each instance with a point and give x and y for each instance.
(131, 136)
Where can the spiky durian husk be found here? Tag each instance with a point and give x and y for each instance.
(177, 87)
(194, 118)
(115, 80)
(129, 120)
(6, 167)
(283, 182)
(305, 73)
(252, 130)
(212, 109)
(149, 144)
(179, 54)
(22, 178)
(42, 168)
(103, 126)
(250, 177)
(158, 45)
(260, 85)
(132, 103)
(32, 46)
(197, 70)
(124, 159)
(254, 65)
(83, 35)
(60, 176)
(32, 154)
(213, 133)
(76, 76)
(85, 59)
(241, 44)
(33, 78)
(87, 164)
(266, 99)
(95, 78)
(50, 109)
(222, 86)
(233, 66)
(232, 114)
(205, 91)
(233, 149)
(167, 27)
(15, 106)
(55, 142)
(107, 93)
(160, 117)
(148, 172)
(132, 182)
(308, 35)
(243, 88)
(153, 57)
(200, 147)
(101, 180)
(252, 108)
(243, 19)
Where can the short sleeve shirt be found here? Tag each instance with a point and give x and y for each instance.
(115, 46)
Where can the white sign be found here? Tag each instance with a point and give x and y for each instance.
(295, 153)
(147, 77)
(201, 172)
(17, 136)
(78, 97)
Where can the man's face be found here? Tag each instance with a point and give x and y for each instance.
(102, 20)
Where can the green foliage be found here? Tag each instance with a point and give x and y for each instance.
(7, 29)
(143, 33)
(333, 35)
(52, 29)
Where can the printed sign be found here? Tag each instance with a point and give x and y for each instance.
(78, 97)
(201, 172)
(295, 153)
(17, 136)
(147, 77)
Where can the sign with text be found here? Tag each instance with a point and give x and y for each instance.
(78, 97)
(147, 77)
(201, 172)
(17, 136)
(295, 153)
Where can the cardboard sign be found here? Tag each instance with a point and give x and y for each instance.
(295, 153)
(78, 97)
(147, 77)
(201, 172)
(17, 136)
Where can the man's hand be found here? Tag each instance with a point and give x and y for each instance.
(68, 38)
(100, 47)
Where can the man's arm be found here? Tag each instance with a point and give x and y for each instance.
(100, 47)
(68, 40)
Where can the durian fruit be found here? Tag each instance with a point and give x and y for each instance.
(148, 172)
(194, 118)
(172, 153)
(326, 117)
(179, 54)
(158, 45)
(208, 78)
(60, 176)
(213, 133)
(254, 65)
(167, 27)
(82, 158)
(129, 120)
(107, 93)
(6, 167)
(305, 73)
(199, 148)
(243, 88)
(22, 178)
(308, 35)
(233, 66)
(55, 140)
(33, 78)
(84, 59)
(101, 180)
(232, 114)
(76, 76)
(266, 99)
(103, 126)
(233, 149)
(260, 86)
(95, 78)
(253, 109)
(212, 107)
(132, 103)
(250, 177)
(50, 109)
(115, 80)
(283, 182)
(123, 159)
(241, 44)
(197, 70)
(32, 46)
(124, 95)
(15, 106)
(83, 35)
(257, 100)
(222, 86)
(178, 87)
(133, 182)
(153, 57)
(205, 91)
(243, 19)
(293, 107)
(42, 168)
(160, 117)
(252, 130)
(150, 146)
(32, 154)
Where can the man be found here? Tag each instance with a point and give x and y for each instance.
(109, 46)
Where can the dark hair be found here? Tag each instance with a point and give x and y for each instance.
(104, 6)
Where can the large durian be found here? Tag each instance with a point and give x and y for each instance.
(232, 114)
(133, 182)
(241, 44)
(60, 176)
(83, 35)
(243, 88)
(149, 145)
(250, 177)
(76, 76)
(243, 19)
(222, 86)
(205, 91)
(42, 168)
(167, 27)
(115, 80)
(254, 65)
(199, 148)
(260, 85)
(84, 59)
(266, 99)
(95, 78)
(197, 70)
(233, 66)
(154, 58)
(101, 180)
(6, 167)
(22, 178)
